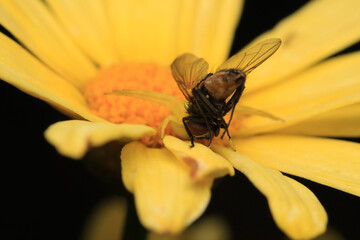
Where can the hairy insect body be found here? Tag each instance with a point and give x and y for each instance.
(224, 83)
(212, 95)
(208, 105)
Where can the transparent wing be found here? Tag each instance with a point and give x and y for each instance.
(188, 70)
(250, 58)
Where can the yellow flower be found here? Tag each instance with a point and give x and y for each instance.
(134, 42)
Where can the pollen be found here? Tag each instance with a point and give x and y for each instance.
(125, 109)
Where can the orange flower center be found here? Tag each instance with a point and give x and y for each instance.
(124, 109)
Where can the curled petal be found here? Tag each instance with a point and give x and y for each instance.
(167, 198)
(203, 162)
(294, 207)
(73, 138)
(334, 163)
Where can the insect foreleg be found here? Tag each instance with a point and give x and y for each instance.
(230, 105)
(203, 115)
(188, 130)
(219, 112)
(207, 104)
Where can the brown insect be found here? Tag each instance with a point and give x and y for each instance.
(212, 95)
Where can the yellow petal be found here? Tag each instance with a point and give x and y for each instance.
(330, 85)
(294, 207)
(107, 221)
(213, 33)
(342, 122)
(34, 26)
(87, 23)
(21, 69)
(330, 162)
(161, 30)
(73, 138)
(203, 162)
(316, 31)
(145, 30)
(166, 197)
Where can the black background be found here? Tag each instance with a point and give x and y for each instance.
(47, 196)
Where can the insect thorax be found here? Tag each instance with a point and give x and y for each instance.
(193, 105)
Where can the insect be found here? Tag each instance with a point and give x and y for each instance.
(211, 96)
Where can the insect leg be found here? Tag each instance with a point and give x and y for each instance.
(230, 105)
(188, 130)
(197, 120)
(209, 106)
(225, 126)
(217, 112)
(195, 93)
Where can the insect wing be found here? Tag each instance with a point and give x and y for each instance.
(188, 70)
(252, 57)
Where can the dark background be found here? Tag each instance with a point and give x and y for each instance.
(47, 196)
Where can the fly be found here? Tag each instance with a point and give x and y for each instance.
(211, 96)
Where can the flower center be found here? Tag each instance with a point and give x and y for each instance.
(124, 109)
